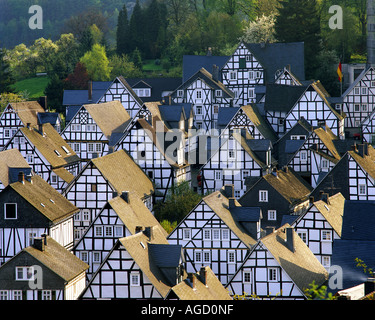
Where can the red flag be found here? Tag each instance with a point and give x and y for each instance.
(339, 72)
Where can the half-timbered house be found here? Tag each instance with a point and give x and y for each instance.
(160, 152)
(237, 158)
(320, 225)
(17, 115)
(47, 153)
(358, 100)
(11, 164)
(31, 207)
(217, 233)
(103, 179)
(44, 270)
(279, 266)
(207, 94)
(120, 90)
(353, 175)
(94, 127)
(286, 77)
(278, 193)
(254, 65)
(122, 216)
(368, 129)
(140, 266)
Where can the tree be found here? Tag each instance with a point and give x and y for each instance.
(122, 32)
(136, 28)
(260, 30)
(137, 58)
(122, 66)
(46, 51)
(6, 78)
(55, 91)
(78, 80)
(299, 21)
(181, 199)
(97, 63)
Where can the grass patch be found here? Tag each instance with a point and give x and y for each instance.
(149, 65)
(34, 86)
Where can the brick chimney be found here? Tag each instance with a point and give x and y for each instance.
(290, 239)
(203, 275)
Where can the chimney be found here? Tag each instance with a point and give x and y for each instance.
(138, 229)
(125, 196)
(192, 280)
(366, 149)
(369, 286)
(269, 230)
(39, 244)
(28, 125)
(311, 199)
(44, 237)
(325, 197)
(149, 233)
(229, 190)
(232, 203)
(361, 150)
(286, 169)
(274, 171)
(289, 238)
(41, 128)
(90, 91)
(215, 72)
(203, 275)
(21, 177)
(43, 102)
(370, 33)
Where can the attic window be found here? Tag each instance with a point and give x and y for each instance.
(325, 206)
(65, 149)
(51, 200)
(143, 246)
(42, 204)
(58, 153)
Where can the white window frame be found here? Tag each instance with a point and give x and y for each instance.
(180, 93)
(272, 274)
(206, 255)
(231, 258)
(218, 93)
(246, 276)
(303, 156)
(326, 261)
(215, 234)
(199, 110)
(206, 234)
(5, 211)
(135, 279)
(118, 231)
(108, 231)
(251, 93)
(84, 256)
(362, 190)
(98, 231)
(272, 215)
(25, 273)
(225, 236)
(218, 175)
(326, 235)
(303, 235)
(199, 94)
(232, 75)
(46, 294)
(263, 195)
(186, 234)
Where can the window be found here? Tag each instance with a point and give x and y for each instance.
(224, 234)
(98, 231)
(259, 74)
(218, 93)
(298, 137)
(24, 273)
(216, 109)
(245, 174)
(325, 164)
(7, 133)
(30, 158)
(108, 231)
(231, 154)
(54, 178)
(356, 107)
(246, 277)
(76, 127)
(302, 235)
(251, 75)
(263, 196)
(17, 295)
(96, 257)
(217, 174)
(198, 256)
(272, 215)
(326, 261)
(46, 295)
(237, 193)
(198, 109)
(4, 295)
(357, 91)
(251, 93)
(281, 122)
(272, 274)
(207, 234)
(364, 91)
(118, 231)
(338, 106)
(199, 94)
(207, 256)
(232, 75)
(84, 256)
(86, 214)
(215, 234)
(242, 63)
(362, 189)
(364, 107)
(231, 257)
(98, 147)
(10, 210)
(76, 147)
(186, 234)
(90, 147)
(326, 235)
(134, 279)
(303, 156)
(180, 93)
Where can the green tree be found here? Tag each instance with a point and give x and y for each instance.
(181, 199)
(54, 92)
(122, 66)
(136, 28)
(6, 77)
(97, 63)
(122, 32)
(260, 30)
(137, 58)
(297, 21)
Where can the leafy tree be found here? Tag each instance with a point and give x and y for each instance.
(181, 199)
(315, 292)
(137, 58)
(297, 21)
(6, 98)
(6, 78)
(46, 51)
(78, 80)
(55, 91)
(136, 28)
(168, 226)
(260, 30)
(121, 65)
(97, 63)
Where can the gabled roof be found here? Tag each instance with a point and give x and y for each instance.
(120, 170)
(27, 111)
(9, 159)
(58, 259)
(44, 198)
(211, 290)
(81, 97)
(282, 97)
(219, 204)
(111, 117)
(357, 80)
(366, 162)
(50, 142)
(300, 265)
(276, 56)
(48, 117)
(192, 63)
(327, 137)
(133, 213)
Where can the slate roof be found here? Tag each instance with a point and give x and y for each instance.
(44, 198)
(282, 97)
(276, 56)
(246, 214)
(49, 142)
(225, 116)
(301, 265)
(12, 159)
(120, 170)
(48, 117)
(81, 97)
